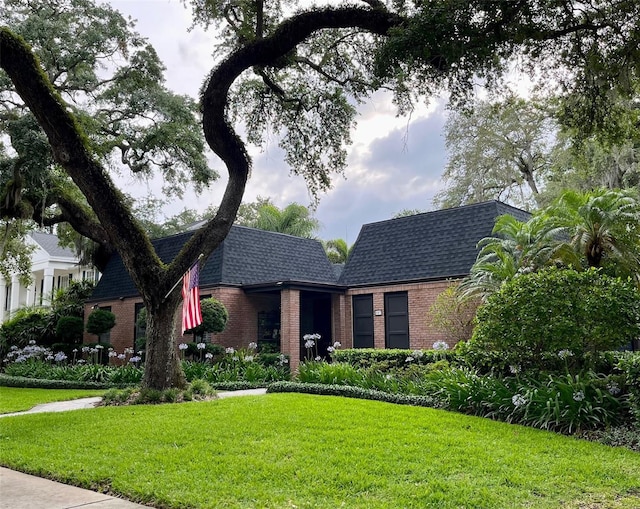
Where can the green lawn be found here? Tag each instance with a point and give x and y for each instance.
(303, 451)
(14, 399)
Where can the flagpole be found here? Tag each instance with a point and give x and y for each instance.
(180, 280)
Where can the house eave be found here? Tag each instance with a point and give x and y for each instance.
(406, 281)
(311, 286)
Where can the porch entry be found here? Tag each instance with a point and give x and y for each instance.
(315, 318)
(396, 312)
(362, 306)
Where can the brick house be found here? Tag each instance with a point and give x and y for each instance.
(277, 287)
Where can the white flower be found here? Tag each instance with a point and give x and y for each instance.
(337, 345)
(183, 346)
(13, 347)
(578, 396)
(135, 359)
(248, 358)
(75, 350)
(32, 342)
(99, 347)
(518, 400)
(208, 355)
(235, 358)
(441, 345)
(318, 358)
(230, 350)
(253, 345)
(201, 346)
(409, 359)
(47, 358)
(85, 349)
(60, 356)
(613, 388)
(121, 356)
(330, 349)
(514, 370)
(309, 343)
(563, 354)
(283, 359)
(113, 354)
(417, 354)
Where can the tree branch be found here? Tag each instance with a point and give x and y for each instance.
(70, 151)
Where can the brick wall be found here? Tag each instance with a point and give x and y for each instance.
(290, 326)
(241, 329)
(121, 336)
(421, 296)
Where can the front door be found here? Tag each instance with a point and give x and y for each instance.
(396, 308)
(362, 306)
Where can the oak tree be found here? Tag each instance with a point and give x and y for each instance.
(299, 74)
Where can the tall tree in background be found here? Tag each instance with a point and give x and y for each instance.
(497, 151)
(294, 219)
(337, 250)
(112, 82)
(299, 75)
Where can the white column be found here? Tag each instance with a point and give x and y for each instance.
(14, 299)
(3, 302)
(47, 291)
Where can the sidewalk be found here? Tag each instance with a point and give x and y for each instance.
(23, 491)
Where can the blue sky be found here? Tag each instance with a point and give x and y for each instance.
(395, 163)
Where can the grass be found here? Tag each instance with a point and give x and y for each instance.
(303, 451)
(14, 399)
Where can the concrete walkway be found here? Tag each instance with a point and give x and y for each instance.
(23, 491)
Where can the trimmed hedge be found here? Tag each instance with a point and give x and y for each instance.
(390, 358)
(349, 391)
(37, 383)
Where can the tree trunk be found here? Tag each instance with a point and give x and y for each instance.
(162, 365)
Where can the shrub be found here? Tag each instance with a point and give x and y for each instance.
(557, 310)
(451, 316)
(69, 329)
(27, 324)
(214, 318)
(100, 321)
(629, 365)
(391, 358)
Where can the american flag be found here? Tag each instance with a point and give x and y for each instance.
(191, 312)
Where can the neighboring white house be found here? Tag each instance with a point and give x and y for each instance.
(52, 268)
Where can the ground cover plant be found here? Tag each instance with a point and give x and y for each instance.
(14, 399)
(292, 450)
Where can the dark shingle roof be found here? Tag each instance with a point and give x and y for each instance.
(51, 245)
(246, 257)
(432, 245)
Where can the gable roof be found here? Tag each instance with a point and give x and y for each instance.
(247, 256)
(433, 245)
(49, 243)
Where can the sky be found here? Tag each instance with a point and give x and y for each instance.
(394, 163)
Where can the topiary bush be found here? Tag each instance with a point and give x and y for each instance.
(214, 318)
(555, 312)
(69, 329)
(100, 321)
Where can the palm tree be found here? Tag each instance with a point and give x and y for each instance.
(337, 250)
(294, 219)
(517, 246)
(601, 227)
